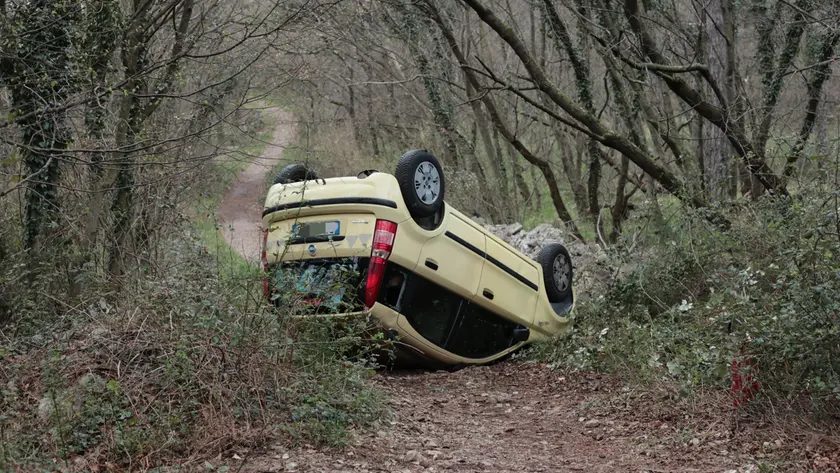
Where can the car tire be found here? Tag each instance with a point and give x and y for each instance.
(295, 173)
(557, 271)
(421, 181)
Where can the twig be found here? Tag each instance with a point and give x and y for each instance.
(27, 179)
(816, 64)
(386, 82)
(598, 228)
(531, 101)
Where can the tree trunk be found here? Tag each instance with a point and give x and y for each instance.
(717, 151)
(583, 83)
(518, 178)
(773, 74)
(618, 212)
(101, 39)
(735, 101)
(491, 151)
(573, 174)
(40, 50)
(372, 120)
(819, 75)
(351, 109)
(484, 132)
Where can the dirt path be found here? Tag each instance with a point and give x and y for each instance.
(240, 209)
(520, 417)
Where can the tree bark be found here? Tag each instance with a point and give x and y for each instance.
(774, 73)
(497, 166)
(583, 83)
(37, 71)
(572, 171)
(351, 108)
(716, 149)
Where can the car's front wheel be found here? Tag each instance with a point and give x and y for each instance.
(420, 177)
(557, 271)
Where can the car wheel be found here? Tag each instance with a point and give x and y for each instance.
(295, 173)
(421, 181)
(557, 271)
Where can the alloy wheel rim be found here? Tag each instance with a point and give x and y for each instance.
(427, 183)
(561, 271)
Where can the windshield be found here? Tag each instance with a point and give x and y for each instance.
(330, 285)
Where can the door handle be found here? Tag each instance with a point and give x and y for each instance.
(431, 264)
(488, 294)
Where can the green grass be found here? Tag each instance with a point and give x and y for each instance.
(231, 265)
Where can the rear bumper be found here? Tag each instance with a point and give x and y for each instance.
(331, 201)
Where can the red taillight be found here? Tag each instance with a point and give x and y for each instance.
(264, 261)
(383, 244)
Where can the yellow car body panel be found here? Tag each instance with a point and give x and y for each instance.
(458, 255)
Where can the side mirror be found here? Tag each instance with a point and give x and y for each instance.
(520, 334)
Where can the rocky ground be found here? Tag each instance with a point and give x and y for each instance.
(591, 266)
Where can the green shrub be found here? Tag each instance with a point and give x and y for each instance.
(186, 364)
(767, 288)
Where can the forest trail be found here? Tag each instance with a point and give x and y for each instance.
(240, 209)
(522, 417)
(510, 417)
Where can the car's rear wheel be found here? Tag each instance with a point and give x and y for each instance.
(295, 173)
(421, 181)
(557, 271)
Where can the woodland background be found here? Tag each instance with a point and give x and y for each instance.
(693, 143)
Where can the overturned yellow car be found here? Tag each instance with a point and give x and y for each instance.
(388, 247)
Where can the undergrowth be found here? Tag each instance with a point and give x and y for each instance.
(185, 366)
(180, 363)
(695, 302)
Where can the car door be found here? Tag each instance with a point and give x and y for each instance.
(447, 273)
(508, 284)
(454, 258)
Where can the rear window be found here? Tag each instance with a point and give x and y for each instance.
(327, 285)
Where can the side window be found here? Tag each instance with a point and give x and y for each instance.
(480, 333)
(430, 309)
